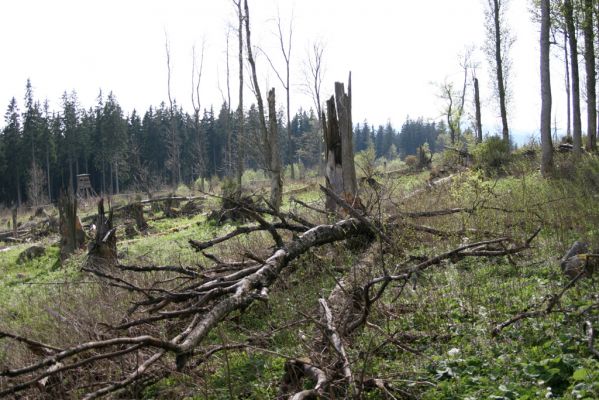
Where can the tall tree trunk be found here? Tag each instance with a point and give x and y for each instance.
(240, 116)
(450, 123)
(479, 125)
(546, 145)
(289, 140)
(18, 181)
(71, 177)
(276, 181)
(499, 71)
(568, 93)
(271, 155)
(48, 174)
(589, 60)
(103, 178)
(116, 176)
(110, 173)
(577, 129)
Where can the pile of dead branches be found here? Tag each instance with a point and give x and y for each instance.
(166, 330)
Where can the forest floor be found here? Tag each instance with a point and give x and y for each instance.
(432, 338)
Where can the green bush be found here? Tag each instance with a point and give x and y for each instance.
(492, 156)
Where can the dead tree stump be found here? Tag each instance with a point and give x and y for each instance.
(72, 236)
(14, 222)
(340, 172)
(169, 207)
(136, 211)
(102, 250)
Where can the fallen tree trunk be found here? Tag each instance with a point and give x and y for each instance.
(209, 301)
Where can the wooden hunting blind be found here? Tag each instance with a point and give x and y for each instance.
(84, 187)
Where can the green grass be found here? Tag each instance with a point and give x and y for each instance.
(433, 340)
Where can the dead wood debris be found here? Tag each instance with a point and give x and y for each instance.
(194, 301)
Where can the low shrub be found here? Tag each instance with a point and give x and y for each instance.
(492, 156)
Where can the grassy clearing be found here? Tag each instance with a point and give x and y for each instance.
(431, 337)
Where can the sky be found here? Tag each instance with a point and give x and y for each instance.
(397, 50)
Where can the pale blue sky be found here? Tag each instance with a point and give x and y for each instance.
(395, 49)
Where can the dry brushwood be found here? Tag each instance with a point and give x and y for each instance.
(194, 307)
(350, 303)
(166, 326)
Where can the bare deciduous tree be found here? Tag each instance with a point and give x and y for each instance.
(173, 141)
(269, 143)
(575, 80)
(240, 116)
(285, 82)
(200, 143)
(478, 122)
(314, 74)
(499, 41)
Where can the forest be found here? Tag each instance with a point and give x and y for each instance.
(256, 252)
(42, 151)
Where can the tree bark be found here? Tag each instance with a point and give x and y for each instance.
(14, 221)
(546, 145)
(589, 60)
(577, 129)
(334, 166)
(276, 181)
(240, 116)
(350, 184)
(71, 232)
(500, 71)
(102, 252)
(479, 125)
(568, 94)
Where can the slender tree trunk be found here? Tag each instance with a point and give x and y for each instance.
(71, 178)
(48, 174)
(450, 123)
(240, 114)
(479, 125)
(589, 60)
(103, 178)
(289, 140)
(276, 181)
(546, 145)
(116, 176)
(577, 129)
(269, 155)
(499, 71)
(15, 223)
(568, 93)
(110, 173)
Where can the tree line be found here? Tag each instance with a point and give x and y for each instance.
(43, 151)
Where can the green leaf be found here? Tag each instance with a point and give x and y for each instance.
(581, 374)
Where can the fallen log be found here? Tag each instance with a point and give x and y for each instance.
(220, 294)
